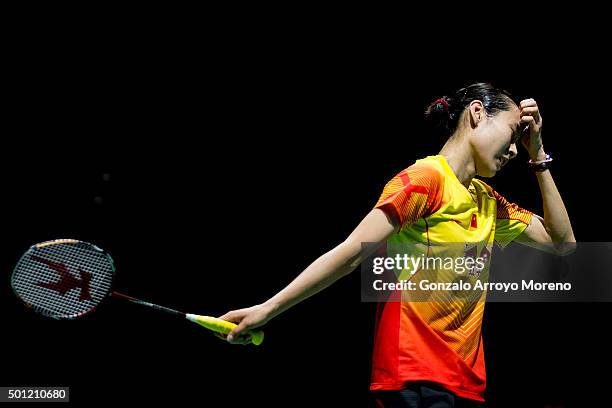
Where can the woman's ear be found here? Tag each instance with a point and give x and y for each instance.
(477, 112)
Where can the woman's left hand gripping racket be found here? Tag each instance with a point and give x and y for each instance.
(66, 279)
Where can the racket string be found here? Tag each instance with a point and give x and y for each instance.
(65, 279)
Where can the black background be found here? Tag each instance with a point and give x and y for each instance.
(215, 172)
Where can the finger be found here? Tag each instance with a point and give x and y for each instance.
(531, 111)
(527, 102)
(528, 119)
(233, 316)
(234, 334)
(226, 316)
(242, 339)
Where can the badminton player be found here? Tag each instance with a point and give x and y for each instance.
(426, 357)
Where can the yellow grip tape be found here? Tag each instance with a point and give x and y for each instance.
(223, 326)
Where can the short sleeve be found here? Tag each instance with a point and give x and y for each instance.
(512, 220)
(414, 193)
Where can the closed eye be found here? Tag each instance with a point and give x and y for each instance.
(516, 136)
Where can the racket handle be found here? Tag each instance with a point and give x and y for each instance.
(223, 326)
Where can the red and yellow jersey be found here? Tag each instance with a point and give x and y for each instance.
(439, 341)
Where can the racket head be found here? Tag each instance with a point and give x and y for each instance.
(63, 278)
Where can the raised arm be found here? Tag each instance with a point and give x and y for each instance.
(554, 231)
(376, 227)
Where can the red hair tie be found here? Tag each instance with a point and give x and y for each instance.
(443, 102)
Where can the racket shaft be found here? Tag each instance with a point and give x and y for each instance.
(148, 304)
(211, 323)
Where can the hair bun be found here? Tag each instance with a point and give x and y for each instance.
(443, 102)
(437, 113)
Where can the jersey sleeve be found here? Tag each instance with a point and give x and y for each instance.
(413, 193)
(512, 220)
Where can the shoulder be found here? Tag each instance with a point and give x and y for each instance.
(427, 172)
(488, 189)
(506, 209)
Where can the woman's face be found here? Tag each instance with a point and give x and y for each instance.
(494, 140)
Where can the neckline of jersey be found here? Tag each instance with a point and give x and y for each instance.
(449, 169)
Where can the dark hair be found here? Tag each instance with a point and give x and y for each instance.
(444, 113)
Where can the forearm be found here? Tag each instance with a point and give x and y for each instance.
(328, 268)
(556, 227)
(556, 219)
(375, 228)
